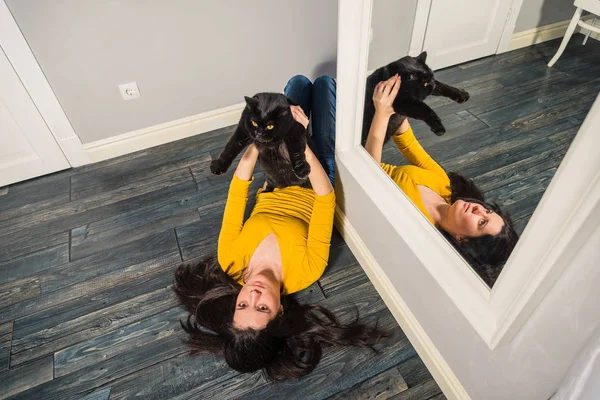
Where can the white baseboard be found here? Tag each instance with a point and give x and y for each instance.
(417, 336)
(543, 34)
(74, 150)
(163, 133)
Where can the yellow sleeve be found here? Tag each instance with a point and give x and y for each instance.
(233, 218)
(319, 235)
(410, 147)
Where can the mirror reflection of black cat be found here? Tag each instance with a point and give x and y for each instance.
(281, 141)
(418, 82)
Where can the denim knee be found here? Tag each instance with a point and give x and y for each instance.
(299, 80)
(324, 81)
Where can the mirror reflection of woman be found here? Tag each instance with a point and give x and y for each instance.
(240, 306)
(480, 231)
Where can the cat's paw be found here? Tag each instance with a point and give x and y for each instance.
(302, 170)
(438, 128)
(217, 167)
(435, 124)
(462, 96)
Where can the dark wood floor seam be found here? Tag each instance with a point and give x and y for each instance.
(178, 246)
(479, 119)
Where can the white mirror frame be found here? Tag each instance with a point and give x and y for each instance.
(565, 217)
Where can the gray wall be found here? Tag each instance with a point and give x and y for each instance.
(392, 22)
(536, 13)
(187, 56)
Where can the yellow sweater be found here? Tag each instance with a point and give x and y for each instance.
(424, 171)
(301, 221)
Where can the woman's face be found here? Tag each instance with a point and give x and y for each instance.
(257, 303)
(466, 219)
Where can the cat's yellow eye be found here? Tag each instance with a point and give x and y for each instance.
(254, 124)
(269, 127)
(426, 83)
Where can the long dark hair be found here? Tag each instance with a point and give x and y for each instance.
(289, 347)
(486, 254)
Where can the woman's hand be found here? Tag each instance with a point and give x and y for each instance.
(299, 116)
(384, 95)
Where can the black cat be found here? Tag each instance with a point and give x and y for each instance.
(417, 83)
(267, 122)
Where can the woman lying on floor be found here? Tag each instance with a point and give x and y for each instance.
(480, 231)
(240, 307)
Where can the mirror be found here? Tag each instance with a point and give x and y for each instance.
(485, 132)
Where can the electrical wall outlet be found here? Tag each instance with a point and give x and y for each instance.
(129, 91)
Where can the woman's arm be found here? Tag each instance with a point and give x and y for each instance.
(410, 148)
(374, 144)
(237, 198)
(321, 220)
(245, 168)
(317, 176)
(383, 97)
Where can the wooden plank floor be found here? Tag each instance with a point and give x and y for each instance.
(87, 255)
(86, 310)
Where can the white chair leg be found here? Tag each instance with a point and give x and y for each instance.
(568, 34)
(587, 35)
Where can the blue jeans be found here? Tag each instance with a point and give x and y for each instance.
(318, 99)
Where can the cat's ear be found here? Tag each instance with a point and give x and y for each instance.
(387, 72)
(422, 57)
(251, 101)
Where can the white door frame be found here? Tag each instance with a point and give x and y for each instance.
(25, 65)
(509, 27)
(559, 226)
(422, 16)
(417, 39)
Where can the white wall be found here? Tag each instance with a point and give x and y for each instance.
(583, 380)
(532, 366)
(392, 23)
(187, 56)
(536, 13)
(534, 362)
